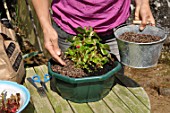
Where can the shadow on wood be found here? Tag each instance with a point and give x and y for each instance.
(125, 81)
(29, 109)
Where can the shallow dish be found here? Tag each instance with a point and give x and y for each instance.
(13, 88)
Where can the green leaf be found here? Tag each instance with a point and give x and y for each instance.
(80, 30)
(76, 43)
(106, 46)
(95, 34)
(87, 41)
(104, 52)
(90, 50)
(79, 35)
(105, 60)
(86, 56)
(90, 29)
(70, 52)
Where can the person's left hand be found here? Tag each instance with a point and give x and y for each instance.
(143, 13)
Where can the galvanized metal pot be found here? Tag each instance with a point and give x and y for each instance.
(140, 55)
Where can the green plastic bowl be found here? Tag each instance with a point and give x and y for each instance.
(86, 89)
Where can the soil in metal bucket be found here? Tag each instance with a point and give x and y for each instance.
(155, 80)
(139, 38)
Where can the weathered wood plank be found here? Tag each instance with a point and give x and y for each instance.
(129, 99)
(100, 107)
(116, 104)
(29, 109)
(59, 104)
(80, 108)
(41, 104)
(141, 95)
(134, 88)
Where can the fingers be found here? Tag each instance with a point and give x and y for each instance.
(143, 14)
(56, 47)
(143, 24)
(152, 21)
(137, 10)
(145, 20)
(148, 20)
(55, 54)
(51, 44)
(138, 19)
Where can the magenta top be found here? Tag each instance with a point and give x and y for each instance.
(102, 15)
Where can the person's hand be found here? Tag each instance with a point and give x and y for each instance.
(51, 44)
(143, 13)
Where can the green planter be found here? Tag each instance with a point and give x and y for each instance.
(85, 89)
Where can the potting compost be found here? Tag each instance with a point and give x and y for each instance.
(139, 38)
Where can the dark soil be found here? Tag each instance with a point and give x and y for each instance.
(72, 71)
(139, 38)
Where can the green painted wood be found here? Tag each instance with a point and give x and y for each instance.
(41, 104)
(80, 107)
(100, 107)
(130, 100)
(59, 104)
(134, 88)
(116, 104)
(141, 95)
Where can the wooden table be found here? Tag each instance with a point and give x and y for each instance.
(126, 97)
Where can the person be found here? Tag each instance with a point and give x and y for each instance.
(102, 15)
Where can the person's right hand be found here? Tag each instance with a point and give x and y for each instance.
(51, 44)
(143, 13)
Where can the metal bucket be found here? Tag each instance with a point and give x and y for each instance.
(140, 55)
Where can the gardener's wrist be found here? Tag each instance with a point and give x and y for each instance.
(45, 24)
(140, 2)
(46, 27)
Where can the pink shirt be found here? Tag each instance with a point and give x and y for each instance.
(102, 15)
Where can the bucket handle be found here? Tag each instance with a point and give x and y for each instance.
(138, 23)
(135, 22)
(122, 25)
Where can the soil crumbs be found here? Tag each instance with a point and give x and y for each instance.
(156, 82)
(71, 70)
(138, 38)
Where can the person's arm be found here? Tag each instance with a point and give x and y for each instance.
(50, 35)
(143, 13)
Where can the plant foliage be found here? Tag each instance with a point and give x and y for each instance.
(87, 51)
